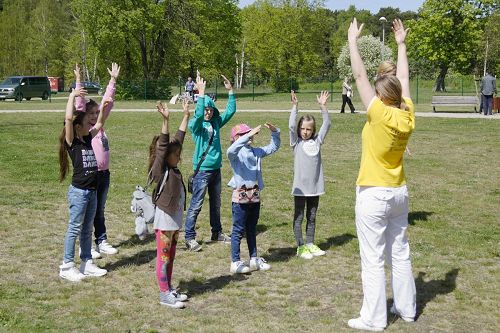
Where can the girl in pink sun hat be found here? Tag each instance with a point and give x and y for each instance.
(247, 183)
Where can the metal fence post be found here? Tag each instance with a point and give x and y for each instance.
(145, 89)
(253, 89)
(331, 89)
(417, 90)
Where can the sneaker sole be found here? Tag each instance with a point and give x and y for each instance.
(177, 305)
(95, 274)
(71, 280)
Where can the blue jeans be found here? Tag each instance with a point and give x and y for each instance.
(245, 218)
(203, 181)
(102, 195)
(82, 206)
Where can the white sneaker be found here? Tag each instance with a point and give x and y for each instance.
(69, 272)
(93, 252)
(90, 269)
(259, 264)
(106, 248)
(395, 312)
(359, 324)
(239, 267)
(315, 250)
(179, 296)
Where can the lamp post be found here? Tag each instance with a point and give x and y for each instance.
(383, 20)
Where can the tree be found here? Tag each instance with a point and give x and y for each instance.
(370, 49)
(447, 34)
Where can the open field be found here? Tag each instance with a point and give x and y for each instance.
(454, 235)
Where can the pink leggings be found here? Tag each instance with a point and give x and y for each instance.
(166, 243)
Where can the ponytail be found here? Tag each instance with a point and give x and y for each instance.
(152, 151)
(63, 156)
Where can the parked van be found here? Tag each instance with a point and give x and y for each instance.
(19, 87)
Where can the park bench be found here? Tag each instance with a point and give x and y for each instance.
(454, 101)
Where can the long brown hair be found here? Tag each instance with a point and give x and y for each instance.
(63, 152)
(173, 146)
(388, 89)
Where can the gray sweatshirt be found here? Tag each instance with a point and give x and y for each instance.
(488, 85)
(307, 169)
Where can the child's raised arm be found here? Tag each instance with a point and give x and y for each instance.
(68, 117)
(358, 68)
(273, 146)
(111, 88)
(325, 127)
(101, 119)
(185, 117)
(292, 121)
(234, 148)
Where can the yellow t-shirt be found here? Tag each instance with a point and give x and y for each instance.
(384, 139)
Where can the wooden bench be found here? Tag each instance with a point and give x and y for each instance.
(454, 101)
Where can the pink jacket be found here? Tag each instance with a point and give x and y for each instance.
(100, 143)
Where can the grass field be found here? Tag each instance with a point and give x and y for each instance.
(454, 236)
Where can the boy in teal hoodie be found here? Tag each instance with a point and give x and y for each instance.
(207, 122)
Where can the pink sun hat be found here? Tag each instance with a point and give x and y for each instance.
(239, 129)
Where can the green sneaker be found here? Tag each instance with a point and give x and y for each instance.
(315, 250)
(303, 252)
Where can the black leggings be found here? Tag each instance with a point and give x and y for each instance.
(347, 100)
(312, 207)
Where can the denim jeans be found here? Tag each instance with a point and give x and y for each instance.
(203, 181)
(82, 206)
(245, 218)
(102, 194)
(487, 104)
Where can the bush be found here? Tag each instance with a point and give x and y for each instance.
(143, 89)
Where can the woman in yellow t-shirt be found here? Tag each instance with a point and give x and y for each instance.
(381, 193)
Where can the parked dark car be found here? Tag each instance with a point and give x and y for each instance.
(19, 87)
(91, 87)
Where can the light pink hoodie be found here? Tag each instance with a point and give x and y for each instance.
(100, 143)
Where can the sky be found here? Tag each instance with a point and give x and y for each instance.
(372, 5)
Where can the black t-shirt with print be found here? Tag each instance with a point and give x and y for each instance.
(84, 163)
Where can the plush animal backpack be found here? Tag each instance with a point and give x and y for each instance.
(143, 206)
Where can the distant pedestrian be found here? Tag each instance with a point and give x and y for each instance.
(347, 94)
(488, 88)
(189, 87)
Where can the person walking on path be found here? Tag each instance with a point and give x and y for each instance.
(381, 194)
(207, 161)
(347, 94)
(308, 183)
(488, 88)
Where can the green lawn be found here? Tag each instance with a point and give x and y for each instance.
(454, 236)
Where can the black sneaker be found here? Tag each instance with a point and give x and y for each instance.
(221, 237)
(193, 245)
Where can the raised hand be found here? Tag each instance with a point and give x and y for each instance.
(80, 92)
(271, 127)
(185, 107)
(114, 71)
(293, 97)
(323, 97)
(399, 31)
(255, 131)
(227, 83)
(200, 84)
(76, 71)
(354, 31)
(162, 109)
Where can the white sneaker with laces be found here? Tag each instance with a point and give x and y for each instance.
(88, 268)
(69, 272)
(239, 267)
(259, 264)
(359, 324)
(93, 252)
(179, 296)
(106, 248)
(396, 312)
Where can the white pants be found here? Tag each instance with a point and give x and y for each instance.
(381, 223)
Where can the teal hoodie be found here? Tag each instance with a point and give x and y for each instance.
(200, 131)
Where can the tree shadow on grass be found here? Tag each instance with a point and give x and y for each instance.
(427, 291)
(197, 287)
(418, 216)
(285, 253)
(138, 259)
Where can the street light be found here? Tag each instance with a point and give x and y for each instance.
(383, 20)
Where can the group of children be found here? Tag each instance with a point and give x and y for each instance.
(381, 184)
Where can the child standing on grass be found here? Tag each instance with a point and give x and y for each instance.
(76, 140)
(100, 146)
(247, 183)
(170, 200)
(308, 182)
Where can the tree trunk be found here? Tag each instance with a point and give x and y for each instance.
(440, 79)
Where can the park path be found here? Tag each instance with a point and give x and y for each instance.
(418, 114)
